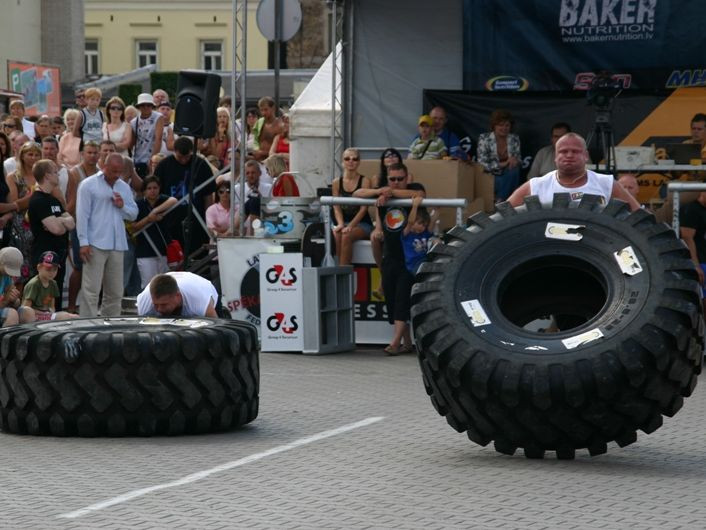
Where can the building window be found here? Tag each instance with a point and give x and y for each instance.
(212, 55)
(146, 52)
(91, 57)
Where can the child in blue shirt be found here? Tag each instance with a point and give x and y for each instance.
(416, 236)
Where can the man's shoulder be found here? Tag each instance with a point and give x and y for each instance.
(416, 186)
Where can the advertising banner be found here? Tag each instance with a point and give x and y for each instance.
(281, 302)
(239, 264)
(39, 84)
(562, 44)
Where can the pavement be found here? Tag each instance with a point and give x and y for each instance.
(350, 441)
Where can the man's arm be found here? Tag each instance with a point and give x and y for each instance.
(129, 208)
(158, 128)
(54, 225)
(518, 196)
(72, 190)
(77, 125)
(620, 193)
(211, 310)
(687, 234)
(83, 212)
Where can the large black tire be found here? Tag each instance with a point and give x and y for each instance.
(496, 379)
(128, 377)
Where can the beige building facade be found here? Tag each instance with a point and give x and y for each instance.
(173, 34)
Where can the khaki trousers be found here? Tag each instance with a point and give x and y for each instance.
(105, 269)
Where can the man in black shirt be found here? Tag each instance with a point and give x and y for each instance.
(49, 222)
(174, 173)
(396, 279)
(692, 228)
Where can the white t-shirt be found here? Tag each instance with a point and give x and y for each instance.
(596, 184)
(196, 294)
(10, 165)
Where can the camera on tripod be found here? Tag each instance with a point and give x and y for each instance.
(604, 89)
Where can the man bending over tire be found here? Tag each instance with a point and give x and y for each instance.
(178, 294)
(572, 177)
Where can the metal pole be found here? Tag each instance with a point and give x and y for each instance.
(333, 92)
(278, 42)
(328, 260)
(234, 106)
(243, 112)
(675, 188)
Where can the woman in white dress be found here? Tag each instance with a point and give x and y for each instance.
(116, 129)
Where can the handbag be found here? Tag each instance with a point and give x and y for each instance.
(175, 254)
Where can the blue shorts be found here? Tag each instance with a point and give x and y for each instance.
(703, 289)
(367, 227)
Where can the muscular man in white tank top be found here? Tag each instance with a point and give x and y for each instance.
(571, 176)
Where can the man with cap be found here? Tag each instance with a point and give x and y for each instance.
(49, 221)
(180, 293)
(11, 312)
(41, 292)
(147, 129)
(427, 146)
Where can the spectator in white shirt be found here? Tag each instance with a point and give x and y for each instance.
(104, 202)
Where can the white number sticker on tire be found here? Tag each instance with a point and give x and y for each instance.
(475, 312)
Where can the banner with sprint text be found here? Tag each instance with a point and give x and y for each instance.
(562, 44)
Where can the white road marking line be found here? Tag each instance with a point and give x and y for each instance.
(223, 467)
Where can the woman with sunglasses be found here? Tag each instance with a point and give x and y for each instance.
(21, 184)
(116, 129)
(10, 124)
(388, 157)
(218, 214)
(352, 222)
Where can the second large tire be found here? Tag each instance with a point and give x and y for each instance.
(630, 338)
(128, 377)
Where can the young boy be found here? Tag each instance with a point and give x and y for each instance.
(41, 292)
(10, 311)
(89, 124)
(416, 236)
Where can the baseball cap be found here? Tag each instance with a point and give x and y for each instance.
(425, 118)
(50, 258)
(144, 99)
(11, 260)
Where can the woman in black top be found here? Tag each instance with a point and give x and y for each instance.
(352, 222)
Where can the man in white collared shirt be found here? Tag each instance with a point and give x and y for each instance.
(104, 202)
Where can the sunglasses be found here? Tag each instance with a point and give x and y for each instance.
(221, 192)
(115, 108)
(396, 179)
(8, 125)
(390, 155)
(349, 158)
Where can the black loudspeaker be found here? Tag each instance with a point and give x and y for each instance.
(197, 100)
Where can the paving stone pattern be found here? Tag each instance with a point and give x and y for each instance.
(409, 470)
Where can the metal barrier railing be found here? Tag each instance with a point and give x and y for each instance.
(327, 202)
(676, 188)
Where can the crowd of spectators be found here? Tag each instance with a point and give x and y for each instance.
(106, 188)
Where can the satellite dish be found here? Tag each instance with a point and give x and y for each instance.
(291, 18)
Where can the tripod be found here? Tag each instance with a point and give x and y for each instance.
(602, 137)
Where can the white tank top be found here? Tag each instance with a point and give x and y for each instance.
(116, 136)
(596, 184)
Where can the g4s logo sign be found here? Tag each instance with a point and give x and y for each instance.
(278, 321)
(276, 274)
